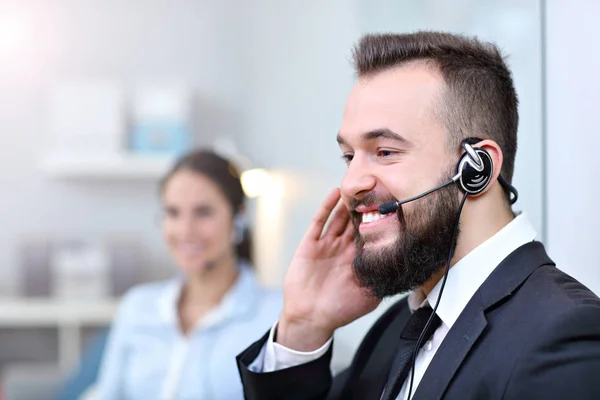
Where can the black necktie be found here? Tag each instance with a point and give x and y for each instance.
(408, 340)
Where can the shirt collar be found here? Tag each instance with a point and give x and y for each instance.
(237, 301)
(469, 273)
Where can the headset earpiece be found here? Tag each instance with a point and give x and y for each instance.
(475, 168)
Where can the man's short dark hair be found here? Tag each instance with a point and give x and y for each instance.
(479, 99)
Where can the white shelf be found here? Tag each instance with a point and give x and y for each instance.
(52, 312)
(67, 316)
(108, 167)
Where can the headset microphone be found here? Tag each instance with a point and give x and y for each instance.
(387, 208)
(392, 206)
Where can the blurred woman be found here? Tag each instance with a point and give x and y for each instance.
(178, 339)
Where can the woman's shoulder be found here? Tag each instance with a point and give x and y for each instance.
(271, 294)
(146, 290)
(144, 295)
(269, 298)
(252, 281)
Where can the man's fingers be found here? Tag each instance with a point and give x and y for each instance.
(318, 222)
(338, 221)
(349, 231)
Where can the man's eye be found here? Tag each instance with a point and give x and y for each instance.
(385, 153)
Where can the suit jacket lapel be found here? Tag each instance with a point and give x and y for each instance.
(504, 280)
(452, 351)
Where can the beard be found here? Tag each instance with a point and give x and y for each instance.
(420, 250)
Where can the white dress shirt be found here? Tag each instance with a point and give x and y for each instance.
(464, 279)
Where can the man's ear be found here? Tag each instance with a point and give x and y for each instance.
(493, 149)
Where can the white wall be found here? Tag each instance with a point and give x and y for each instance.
(298, 70)
(573, 98)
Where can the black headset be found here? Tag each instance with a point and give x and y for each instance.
(475, 169)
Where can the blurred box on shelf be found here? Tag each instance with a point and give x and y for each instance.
(79, 269)
(161, 119)
(87, 117)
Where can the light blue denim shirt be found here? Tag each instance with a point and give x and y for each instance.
(148, 358)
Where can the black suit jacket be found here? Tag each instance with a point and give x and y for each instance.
(529, 332)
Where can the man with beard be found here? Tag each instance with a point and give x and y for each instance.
(510, 324)
(419, 250)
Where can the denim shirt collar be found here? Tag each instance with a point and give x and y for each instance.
(240, 300)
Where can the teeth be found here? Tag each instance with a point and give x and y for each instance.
(370, 217)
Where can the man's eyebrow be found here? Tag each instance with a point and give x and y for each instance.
(385, 134)
(376, 134)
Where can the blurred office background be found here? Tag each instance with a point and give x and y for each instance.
(85, 86)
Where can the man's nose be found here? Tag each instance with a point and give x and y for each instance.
(358, 179)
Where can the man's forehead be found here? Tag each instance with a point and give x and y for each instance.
(402, 86)
(398, 99)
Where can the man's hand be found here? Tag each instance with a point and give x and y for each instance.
(320, 291)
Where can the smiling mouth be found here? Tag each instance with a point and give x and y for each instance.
(372, 218)
(190, 249)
